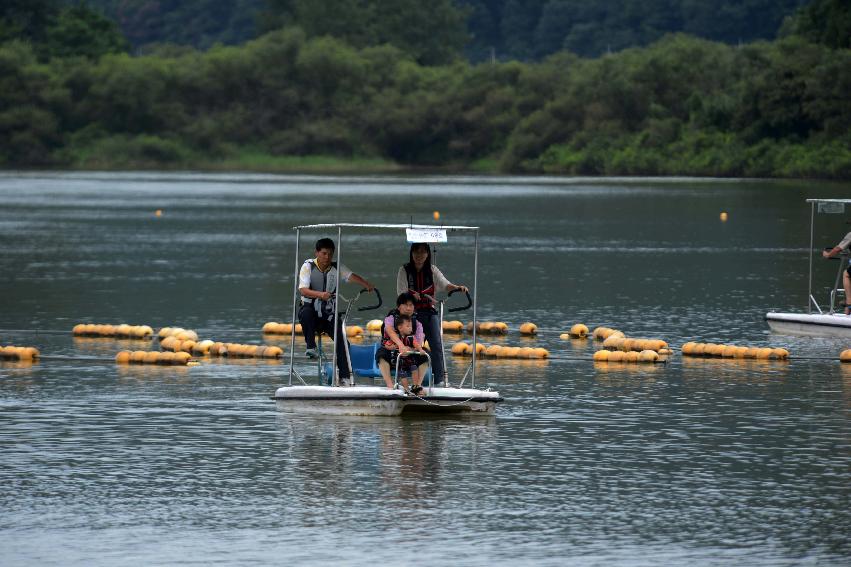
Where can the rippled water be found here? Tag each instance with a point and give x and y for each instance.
(705, 462)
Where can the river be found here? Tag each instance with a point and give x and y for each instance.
(694, 461)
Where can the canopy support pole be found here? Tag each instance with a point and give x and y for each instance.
(295, 302)
(812, 242)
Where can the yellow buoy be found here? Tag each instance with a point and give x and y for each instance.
(579, 331)
(158, 213)
(150, 357)
(354, 331)
(137, 356)
(779, 353)
(123, 357)
(528, 329)
(493, 350)
(436, 215)
(648, 356)
(187, 336)
(181, 358)
(202, 347)
(631, 356)
(723, 216)
(166, 358)
(616, 356)
(688, 348)
(27, 353)
(541, 352)
(460, 348)
(375, 325)
(845, 355)
(601, 355)
(273, 352)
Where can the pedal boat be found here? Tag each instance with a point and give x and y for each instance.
(815, 322)
(362, 400)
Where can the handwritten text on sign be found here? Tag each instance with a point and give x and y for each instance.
(426, 234)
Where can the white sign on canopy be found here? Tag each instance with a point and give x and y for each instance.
(426, 234)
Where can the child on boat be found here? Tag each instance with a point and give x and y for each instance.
(400, 339)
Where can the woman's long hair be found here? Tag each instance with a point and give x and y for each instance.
(427, 264)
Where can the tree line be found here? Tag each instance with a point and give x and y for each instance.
(523, 30)
(680, 106)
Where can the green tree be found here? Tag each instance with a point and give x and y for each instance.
(80, 31)
(827, 22)
(432, 32)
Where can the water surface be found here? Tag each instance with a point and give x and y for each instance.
(705, 462)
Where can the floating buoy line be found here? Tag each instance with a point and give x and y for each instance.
(178, 345)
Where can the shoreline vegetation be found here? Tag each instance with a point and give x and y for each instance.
(288, 102)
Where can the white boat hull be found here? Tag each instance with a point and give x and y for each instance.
(454, 400)
(811, 325)
(372, 400)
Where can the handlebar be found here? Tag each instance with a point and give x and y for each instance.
(464, 307)
(370, 307)
(842, 254)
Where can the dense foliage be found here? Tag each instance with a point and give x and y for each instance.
(58, 30)
(436, 30)
(679, 106)
(196, 23)
(532, 29)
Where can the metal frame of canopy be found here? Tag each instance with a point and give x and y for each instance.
(339, 256)
(813, 202)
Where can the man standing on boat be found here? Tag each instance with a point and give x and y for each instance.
(846, 277)
(317, 283)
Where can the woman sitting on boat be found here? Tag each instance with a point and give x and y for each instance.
(423, 280)
(846, 277)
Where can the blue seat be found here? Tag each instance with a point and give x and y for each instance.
(363, 360)
(363, 363)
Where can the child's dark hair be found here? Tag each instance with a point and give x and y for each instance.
(403, 319)
(325, 244)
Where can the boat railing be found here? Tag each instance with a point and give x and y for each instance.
(843, 264)
(399, 361)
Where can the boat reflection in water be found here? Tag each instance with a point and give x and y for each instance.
(407, 458)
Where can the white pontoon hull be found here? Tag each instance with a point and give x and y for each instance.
(454, 400)
(811, 325)
(372, 400)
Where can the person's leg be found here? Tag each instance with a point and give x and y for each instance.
(431, 328)
(846, 283)
(340, 345)
(421, 372)
(384, 367)
(309, 321)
